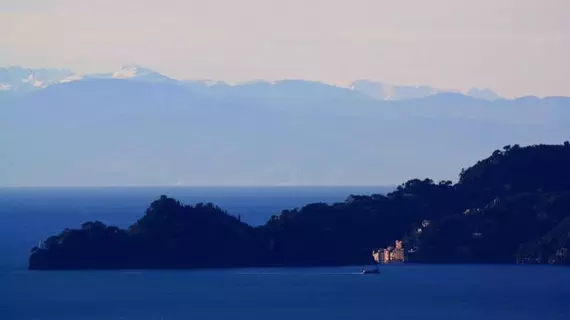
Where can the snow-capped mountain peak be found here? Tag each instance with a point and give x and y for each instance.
(28, 79)
(75, 77)
(127, 72)
(36, 83)
(134, 72)
(385, 91)
(485, 94)
(19, 79)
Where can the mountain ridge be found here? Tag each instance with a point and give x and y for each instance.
(106, 131)
(372, 89)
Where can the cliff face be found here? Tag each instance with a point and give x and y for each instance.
(513, 206)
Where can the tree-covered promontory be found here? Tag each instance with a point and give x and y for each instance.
(513, 206)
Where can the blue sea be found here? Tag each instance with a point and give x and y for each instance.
(399, 292)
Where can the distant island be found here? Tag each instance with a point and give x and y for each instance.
(512, 207)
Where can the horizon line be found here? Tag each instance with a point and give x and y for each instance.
(195, 186)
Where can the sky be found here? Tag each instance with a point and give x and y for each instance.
(515, 47)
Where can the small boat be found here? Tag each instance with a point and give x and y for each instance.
(370, 271)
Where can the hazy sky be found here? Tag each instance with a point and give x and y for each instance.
(516, 47)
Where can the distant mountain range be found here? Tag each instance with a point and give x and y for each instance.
(19, 79)
(383, 91)
(138, 127)
(22, 79)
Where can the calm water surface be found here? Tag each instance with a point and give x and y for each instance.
(399, 292)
